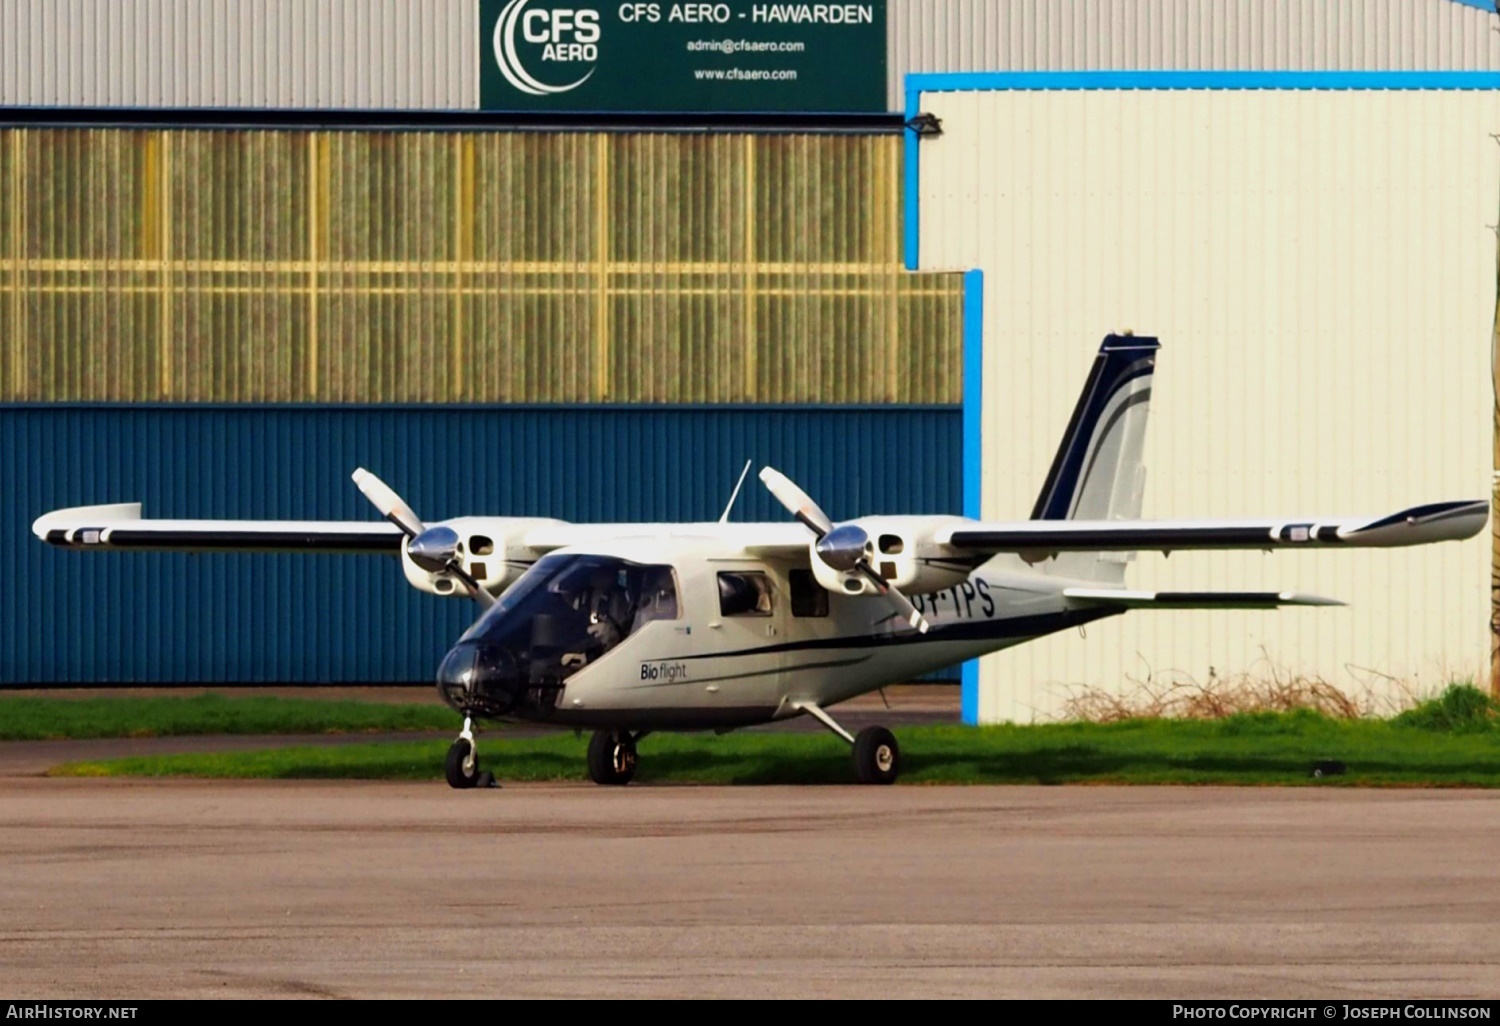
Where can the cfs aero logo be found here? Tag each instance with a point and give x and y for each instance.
(565, 36)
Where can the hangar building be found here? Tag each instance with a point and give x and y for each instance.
(248, 246)
(1300, 200)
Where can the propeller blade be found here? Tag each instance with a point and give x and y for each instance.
(434, 551)
(903, 605)
(797, 502)
(801, 506)
(477, 593)
(909, 612)
(388, 502)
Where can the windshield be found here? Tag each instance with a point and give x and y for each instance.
(596, 596)
(566, 612)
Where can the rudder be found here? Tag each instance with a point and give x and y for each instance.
(1098, 473)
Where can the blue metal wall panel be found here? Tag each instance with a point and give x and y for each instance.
(89, 618)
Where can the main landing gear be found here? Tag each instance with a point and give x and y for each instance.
(877, 757)
(612, 756)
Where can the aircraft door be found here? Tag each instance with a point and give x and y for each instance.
(750, 624)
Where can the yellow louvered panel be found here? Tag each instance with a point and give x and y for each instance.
(12, 230)
(261, 266)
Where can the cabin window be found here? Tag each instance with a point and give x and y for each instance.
(809, 598)
(657, 599)
(744, 593)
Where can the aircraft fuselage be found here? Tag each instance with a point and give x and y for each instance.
(711, 657)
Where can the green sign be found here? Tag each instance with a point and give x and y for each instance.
(735, 55)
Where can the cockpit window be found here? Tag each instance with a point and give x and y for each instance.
(571, 609)
(565, 613)
(744, 593)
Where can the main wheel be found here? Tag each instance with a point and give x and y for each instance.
(877, 757)
(462, 767)
(611, 757)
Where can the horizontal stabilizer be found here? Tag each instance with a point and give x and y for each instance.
(1121, 599)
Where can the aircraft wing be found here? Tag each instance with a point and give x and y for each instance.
(770, 541)
(121, 527)
(1419, 525)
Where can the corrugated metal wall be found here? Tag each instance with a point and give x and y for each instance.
(1187, 35)
(1320, 267)
(254, 266)
(374, 267)
(424, 54)
(330, 54)
(68, 617)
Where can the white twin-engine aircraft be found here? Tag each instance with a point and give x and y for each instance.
(632, 628)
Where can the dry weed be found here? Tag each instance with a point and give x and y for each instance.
(1182, 696)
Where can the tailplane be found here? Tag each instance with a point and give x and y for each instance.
(1098, 472)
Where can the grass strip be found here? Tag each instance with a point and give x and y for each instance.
(28, 718)
(1250, 749)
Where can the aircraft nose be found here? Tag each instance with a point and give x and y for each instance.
(458, 667)
(479, 679)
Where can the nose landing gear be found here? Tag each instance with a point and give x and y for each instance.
(462, 765)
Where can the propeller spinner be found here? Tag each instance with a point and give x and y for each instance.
(846, 548)
(434, 549)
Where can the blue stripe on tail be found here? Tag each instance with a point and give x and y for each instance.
(1122, 359)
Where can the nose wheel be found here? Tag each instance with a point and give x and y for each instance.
(612, 757)
(462, 765)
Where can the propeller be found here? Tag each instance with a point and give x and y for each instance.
(844, 547)
(434, 549)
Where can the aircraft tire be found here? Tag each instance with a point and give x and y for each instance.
(459, 777)
(604, 766)
(877, 757)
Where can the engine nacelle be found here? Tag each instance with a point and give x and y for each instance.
(492, 550)
(901, 550)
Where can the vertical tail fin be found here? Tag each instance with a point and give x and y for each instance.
(1097, 473)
